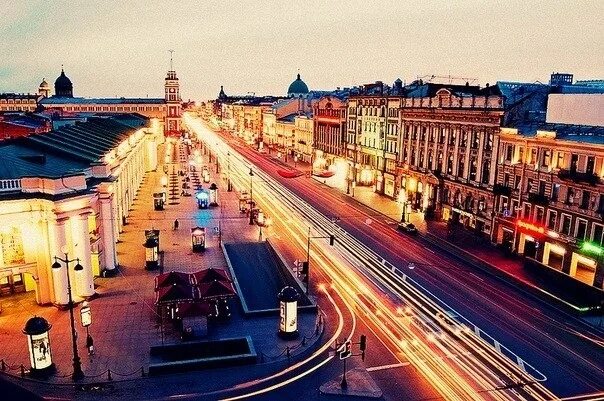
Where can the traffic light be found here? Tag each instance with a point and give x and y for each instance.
(332, 239)
(305, 267)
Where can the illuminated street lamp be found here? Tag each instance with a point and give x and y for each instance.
(164, 181)
(77, 365)
(213, 195)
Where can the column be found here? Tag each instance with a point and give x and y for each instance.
(84, 283)
(59, 276)
(107, 230)
(44, 259)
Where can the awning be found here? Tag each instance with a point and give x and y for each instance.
(290, 173)
(216, 289)
(325, 174)
(168, 279)
(209, 275)
(175, 293)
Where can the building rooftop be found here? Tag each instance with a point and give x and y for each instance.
(84, 100)
(567, 132)
(67, 150)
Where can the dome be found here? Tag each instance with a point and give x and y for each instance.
(298, 87)
(288, 294)
(63, 85)
(44, 84)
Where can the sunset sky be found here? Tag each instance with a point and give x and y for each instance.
(120, 48)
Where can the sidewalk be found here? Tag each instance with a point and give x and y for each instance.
(125, 323)
(465, 246)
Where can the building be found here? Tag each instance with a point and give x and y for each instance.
(448, 136)
(550, 188)
(69, 190)
(18, 102)
(298, 88)
(329, 134)
(303, 138)
(372, 138)
(167, 110)
(16, 125)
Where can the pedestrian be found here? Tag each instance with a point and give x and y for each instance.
(176, 224)
(90, 344)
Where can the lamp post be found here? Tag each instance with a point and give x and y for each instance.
(251, 197)
(229, 185)
(306, 264)
(77, 374)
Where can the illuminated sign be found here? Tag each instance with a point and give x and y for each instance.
(86, 315)
(589, 247)
(530, 227)
(289, 318)
(39, 351)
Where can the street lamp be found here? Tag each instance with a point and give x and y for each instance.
(251, 197)
(77, 365)
(229, 185)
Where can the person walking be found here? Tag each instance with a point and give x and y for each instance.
(90, 344)
(176, 224)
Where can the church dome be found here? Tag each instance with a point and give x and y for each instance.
(63, 85)
(298, 87)
(44, 84)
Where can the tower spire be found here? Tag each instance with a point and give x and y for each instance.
(171, 66)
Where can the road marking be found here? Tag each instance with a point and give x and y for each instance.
(391, 366)
(477, 277)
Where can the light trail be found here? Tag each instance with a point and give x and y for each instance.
(477, 372)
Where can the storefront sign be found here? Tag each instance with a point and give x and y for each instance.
(462, 212)
(530, 227)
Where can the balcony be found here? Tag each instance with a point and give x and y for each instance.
(575, 176)
(538, 199)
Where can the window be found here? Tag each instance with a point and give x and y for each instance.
(464, 138)
(506, 179)
(601, 204)
(530, 184)
(450, 165)
(441, 137)
(509, 150)
(560, 162)
(551, 219)
(486, 172)
(542, 184)
(474, 143)
(589, 169)
(546, 157)
(526, 211)
(517, 182)
(597, 232)
(460, 168)
(488, 143)
(11, 245)
(555, 192)
(574, 158)
(581, 229)
(539, 214)
(570, 196)
(565, 224)
(585, 200)
(473, 169)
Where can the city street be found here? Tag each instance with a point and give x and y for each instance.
(559, 347)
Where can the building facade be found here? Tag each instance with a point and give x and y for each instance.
(303, 138)
(329, 133)
(447, 143)
(18, 102)
(58, 196)
(551, 197)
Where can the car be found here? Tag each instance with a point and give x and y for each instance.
(406, 227)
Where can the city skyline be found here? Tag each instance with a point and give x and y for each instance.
(107, 53)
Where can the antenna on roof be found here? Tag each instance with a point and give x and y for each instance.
(171, 53)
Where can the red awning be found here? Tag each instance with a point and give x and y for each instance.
(168, 279)
(216, 289)
(174, 293)
(209, 275)
(290, 173)
(190, 309)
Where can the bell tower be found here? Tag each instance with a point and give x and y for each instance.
(173, 102)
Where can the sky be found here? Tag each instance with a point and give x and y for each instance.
(120, 48)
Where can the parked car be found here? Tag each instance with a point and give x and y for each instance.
(406, 227)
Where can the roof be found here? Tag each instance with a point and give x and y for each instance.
(21, 96)
(68, 150)
(566, 132)
(290, 118)
(108, 100)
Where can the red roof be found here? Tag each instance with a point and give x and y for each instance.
(209, 275)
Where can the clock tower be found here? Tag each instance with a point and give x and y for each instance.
(173, 103)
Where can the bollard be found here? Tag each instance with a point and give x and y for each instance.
(109, 378)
